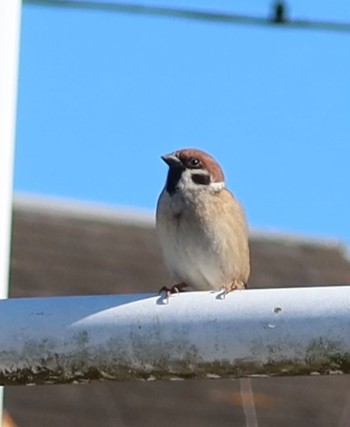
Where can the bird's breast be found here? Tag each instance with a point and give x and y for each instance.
(189, 244)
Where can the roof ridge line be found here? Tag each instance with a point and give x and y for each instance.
(74, 208)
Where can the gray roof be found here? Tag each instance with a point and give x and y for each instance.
(70, 249)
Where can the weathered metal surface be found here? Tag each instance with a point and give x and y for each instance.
(300, 331)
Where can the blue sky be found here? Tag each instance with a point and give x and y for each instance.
(103, 95)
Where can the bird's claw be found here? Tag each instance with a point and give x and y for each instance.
(180, 287)
(235, 285)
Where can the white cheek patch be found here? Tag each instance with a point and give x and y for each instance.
(187, 183)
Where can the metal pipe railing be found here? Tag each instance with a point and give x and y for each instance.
(296, 331)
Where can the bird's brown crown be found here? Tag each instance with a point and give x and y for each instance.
(192, 158)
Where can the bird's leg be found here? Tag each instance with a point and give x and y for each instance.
(179, 287)
(234, 285)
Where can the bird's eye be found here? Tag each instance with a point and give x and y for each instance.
(194, 162)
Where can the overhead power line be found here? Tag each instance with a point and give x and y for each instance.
(275, 19)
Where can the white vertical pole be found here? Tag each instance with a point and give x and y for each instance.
(248, 403)
(10, 20)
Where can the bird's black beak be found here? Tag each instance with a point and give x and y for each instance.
(172, 160)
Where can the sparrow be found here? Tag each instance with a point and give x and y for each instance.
(201, 226)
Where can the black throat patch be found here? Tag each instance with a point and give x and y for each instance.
(201, 178)
(174, 176)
